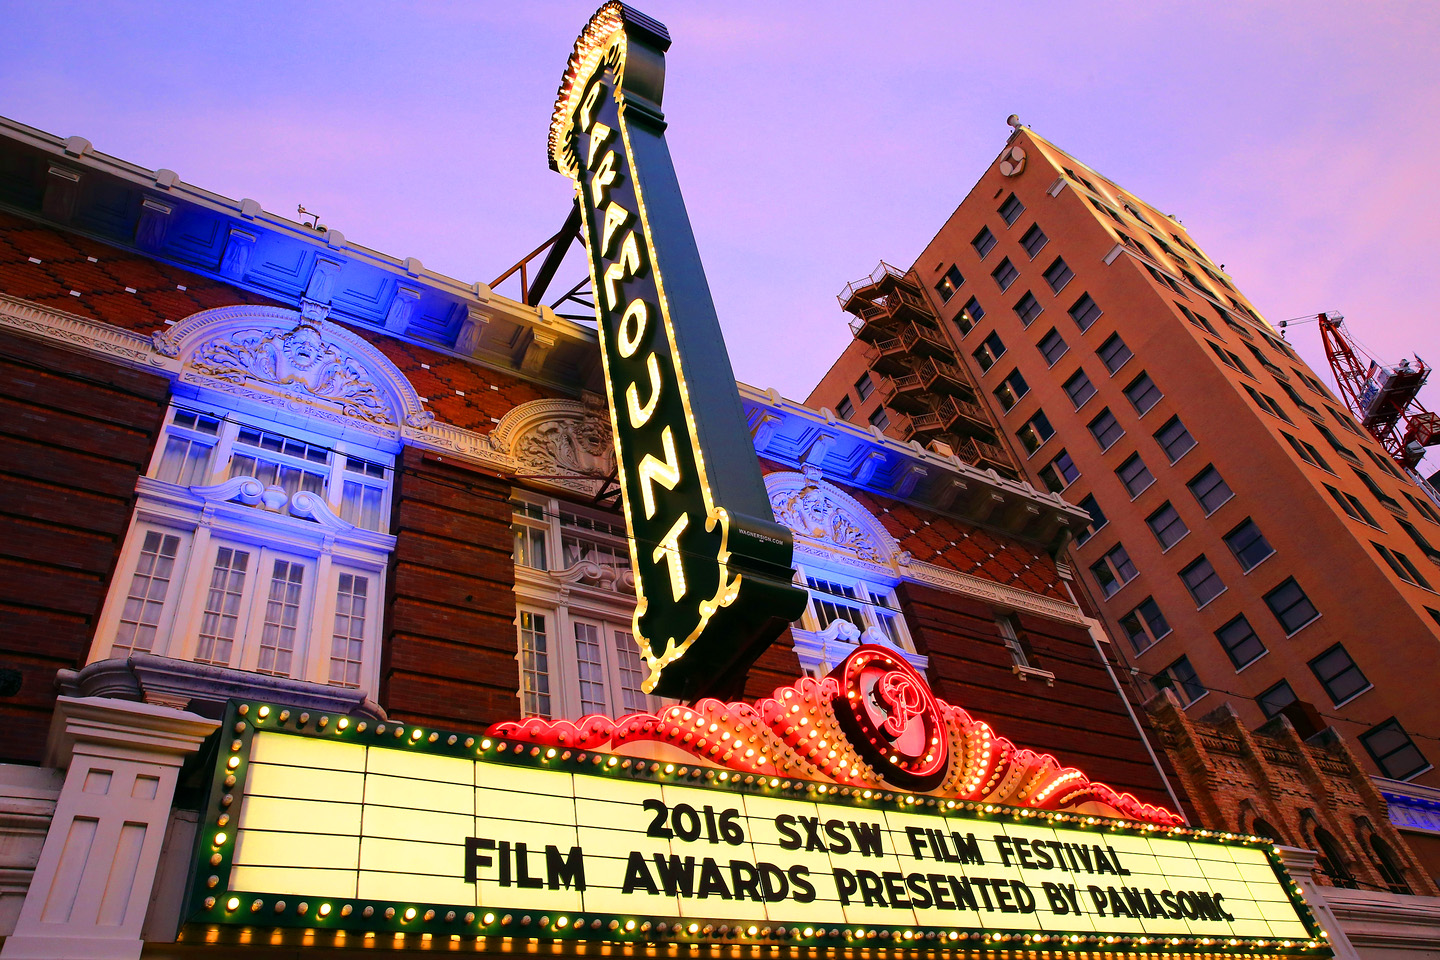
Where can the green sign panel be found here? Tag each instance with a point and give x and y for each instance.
(712, 567)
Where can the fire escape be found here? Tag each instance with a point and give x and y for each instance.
(929, 396)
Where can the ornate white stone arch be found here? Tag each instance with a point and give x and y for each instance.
(280, 357)
(565, 443)
(830, 523)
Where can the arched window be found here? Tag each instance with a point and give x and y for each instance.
(1332, 859)
(1262, 828)
(1389, 865)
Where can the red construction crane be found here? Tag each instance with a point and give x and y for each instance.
(1382, 398)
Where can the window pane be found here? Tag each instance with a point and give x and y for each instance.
(1248, 545)
(1202, 581)
(149, 587)
(592, 669)
(347, 645)
(530, 548)
(1135, 475)
(1106, 429)
(282, 618)
(1011, 389)
(1034, 240)
(1174, 439)
(949, 283)
(983, 243)
(1052, 346)
(534, 665)
(1027, 308)
(185, 461)
(1277, 698)
(1393, 751)
(1181, 678)
(1114, 353)
(1005, 274)
(1085, 312)
(864, 386)
(1290, 605)
(1097, 517)
(1167, 526)
(1241, 644)
(1143, 393)
(1079, 388)
(1210, 490)
(1058, 274)
(1011, 209)
(971, 314)
(220, 624)
(1339, 674)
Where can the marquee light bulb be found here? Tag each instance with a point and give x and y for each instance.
(233, 762)
(324, 909)
(409, 913)
(264, 712)
(220, 839)
(234, 902)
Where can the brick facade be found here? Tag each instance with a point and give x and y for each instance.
(75, 433)
(1301, 792)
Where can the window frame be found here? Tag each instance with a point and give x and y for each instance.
(1364, 687)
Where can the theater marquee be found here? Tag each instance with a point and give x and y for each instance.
(346, 824)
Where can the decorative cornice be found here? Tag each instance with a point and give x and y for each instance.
(112, 343)
(999, 594)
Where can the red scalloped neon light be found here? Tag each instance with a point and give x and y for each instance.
(798, 733)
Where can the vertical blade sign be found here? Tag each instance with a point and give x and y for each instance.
(712, 567)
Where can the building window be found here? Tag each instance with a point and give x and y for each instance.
(864, 386)
(992, 348)
(1388, 864)
(534, 665)
(880, 418)
(1060, 472)
(1352, 506)
(1097, 518)
(864, 605)
(219, 625)
(347, 644)
(1027, 308)
(1174, 439)
(1114, 353)
(246, 585)
(1021, 653)
(1035, 431)
(970, 314)
(1290, 605)
(1106, 429)
(1058, 274)
(1339, 675)
(149, 589)
(1085, 312)
(1011, 389)
(1276, 698)
(1241, 644)
(1011, 209)
(845, 408)
(1420, 541)
(188, 444)
(1079, 388)
(1113, 570)
(1384, 498)
(1034, 240)
(949, 283)
(1167, 526)
(1202, 581)
(1135, 475)
(1424, 509)
(1392, 750)
(1401, 565)
(984, 242)
(1143, 394)
(1052, 346)
(530, 526)
(1210, 490)
(1005, 274)
(1145, 624)
(1266, 403)
(1306, 452)
(1248, 544)
(1181, 678)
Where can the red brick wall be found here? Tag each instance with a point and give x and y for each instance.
(450, 648)
(75, 433)
(1081, 720)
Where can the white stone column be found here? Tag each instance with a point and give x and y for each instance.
(1300, 863)
(92, 885)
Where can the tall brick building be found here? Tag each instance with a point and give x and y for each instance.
(1248, 541)
(246, 459)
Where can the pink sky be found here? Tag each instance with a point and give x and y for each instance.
(1295, 140)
